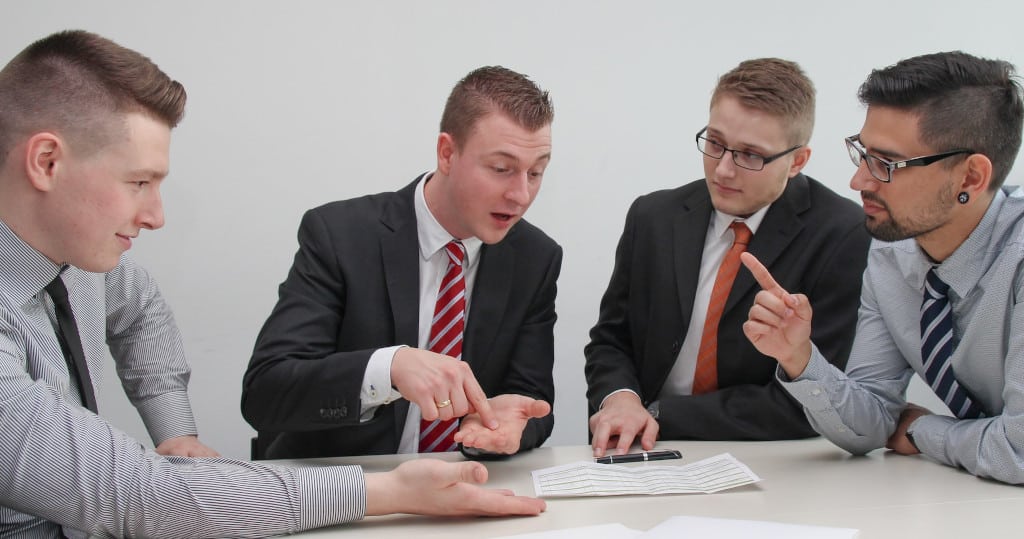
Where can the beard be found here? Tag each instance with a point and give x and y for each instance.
(895, 229)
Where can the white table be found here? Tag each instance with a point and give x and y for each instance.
(802, 482)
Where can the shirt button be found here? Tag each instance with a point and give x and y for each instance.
(816, 392)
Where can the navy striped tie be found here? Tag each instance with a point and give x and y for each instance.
(937, 346)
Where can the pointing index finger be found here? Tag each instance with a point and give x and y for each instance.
(761, 273)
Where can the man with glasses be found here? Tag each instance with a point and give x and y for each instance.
(943, 286)
(667, 355)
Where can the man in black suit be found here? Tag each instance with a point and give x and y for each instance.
(657, 362)
(343, 365)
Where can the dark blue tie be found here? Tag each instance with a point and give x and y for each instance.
(937, 346)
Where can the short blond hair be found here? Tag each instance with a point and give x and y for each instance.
(774, 86)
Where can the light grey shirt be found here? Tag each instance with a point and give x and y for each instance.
(858, 410)
(60, 463)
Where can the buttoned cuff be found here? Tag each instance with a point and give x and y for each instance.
(377, 390)
(810, 389)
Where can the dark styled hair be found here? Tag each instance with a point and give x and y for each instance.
(76, 84)
(961, 102)
(774, 86)
(495, 88)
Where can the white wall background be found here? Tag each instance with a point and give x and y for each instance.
(295, 104)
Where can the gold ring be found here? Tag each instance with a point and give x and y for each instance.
(444, 403)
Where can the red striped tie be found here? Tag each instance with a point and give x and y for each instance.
(705, 377)
(446, 338)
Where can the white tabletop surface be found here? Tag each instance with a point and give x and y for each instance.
(802, 482)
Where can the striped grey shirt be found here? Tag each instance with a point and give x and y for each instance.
(858, 410)
(63, 465)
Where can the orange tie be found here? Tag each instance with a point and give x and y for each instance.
(705, 377)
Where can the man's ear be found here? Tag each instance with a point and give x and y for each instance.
(446, 149)
(977, 174)
(801, 156)
(44, 156)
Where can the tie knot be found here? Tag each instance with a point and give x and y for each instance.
(934, 286)
(741, 231)
(456, 252)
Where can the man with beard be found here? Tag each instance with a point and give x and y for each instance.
(943, 286)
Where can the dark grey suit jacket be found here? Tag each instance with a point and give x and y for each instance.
(354, 288)
(812, 240)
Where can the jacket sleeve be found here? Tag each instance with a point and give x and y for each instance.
(297, 380)
(609, 354)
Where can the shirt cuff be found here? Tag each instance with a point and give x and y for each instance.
(330, 495)
(930, 435)
(167, 415)
(809, 389)
(377, 390)
(617, 391)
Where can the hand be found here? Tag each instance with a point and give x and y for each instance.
(779, 324)
(429, 379)
(434, 487)
(185, 446)
(512, 412)
(618, 423)
(899, 442)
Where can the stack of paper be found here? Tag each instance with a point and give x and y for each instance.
(587, 478)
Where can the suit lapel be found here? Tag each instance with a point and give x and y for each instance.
(689, 232)
(781, 224)
(399, 248)
(490, 296)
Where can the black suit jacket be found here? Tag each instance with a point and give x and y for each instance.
(812, 240)
(354, 288)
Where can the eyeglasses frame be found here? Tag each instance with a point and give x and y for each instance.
(853, 142)
(765, 159)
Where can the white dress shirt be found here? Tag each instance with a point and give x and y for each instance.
(377, 389)
(717, 243)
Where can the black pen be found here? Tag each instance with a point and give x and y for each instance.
(640, 457)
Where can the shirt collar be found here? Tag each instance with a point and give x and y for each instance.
(26, 271)
(720, 221)
(432, 236)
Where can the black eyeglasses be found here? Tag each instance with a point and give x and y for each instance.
(743, 159)
(882, 169)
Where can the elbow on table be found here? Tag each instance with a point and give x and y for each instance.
(854, 444)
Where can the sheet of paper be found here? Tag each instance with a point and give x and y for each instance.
(601, 531)
(587, 478)
(721, 528)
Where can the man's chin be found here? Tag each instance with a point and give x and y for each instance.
(97, 265)
(883, 230)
